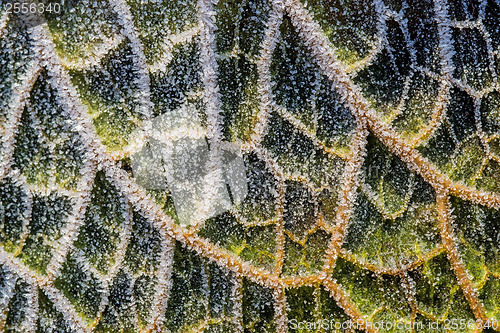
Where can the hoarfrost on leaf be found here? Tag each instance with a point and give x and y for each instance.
(250, 166)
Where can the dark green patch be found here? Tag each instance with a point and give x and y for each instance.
(200, 291)
(477, 229)
(437, 291)
(118, 316)
(371, 293)
(350, 25)
(82, 27)
(80, 287)
(466, 164)
(260, 202)
(156, 21)
(258, 309)
(312, 309)
(387, 178)
(300, 209)
(239, 97)
(308, 259)
(422, 28)
(297, 155)
(181, 78)
(392, 243)
(15, 54)
(489, 179)
(104, 224)
(49, 216)
(383, 81)
(13, 213)
(50, 320)
(460, 113)
(305, 93)
(488, 295)
(260, 246)
(491, 17)
(461, 10)
(18, 308)
(46, 146)
(327, 205)
(419, 106)
(440, 147)
(143, 293)
(223, 231)
(472, 60)
(241, 25)
(490, 113)
(143, 251)
(112, 96)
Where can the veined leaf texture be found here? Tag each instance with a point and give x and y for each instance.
(370, 135)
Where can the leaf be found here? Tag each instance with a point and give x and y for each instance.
(370, 135)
